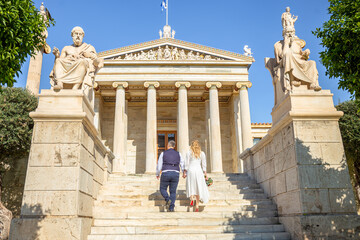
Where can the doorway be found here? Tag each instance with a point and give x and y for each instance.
(163, 137)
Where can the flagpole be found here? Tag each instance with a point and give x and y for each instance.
(167, 13)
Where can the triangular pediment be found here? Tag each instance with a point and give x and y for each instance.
(169, 49)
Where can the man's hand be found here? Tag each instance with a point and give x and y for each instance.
(157, 177)
(184, 174)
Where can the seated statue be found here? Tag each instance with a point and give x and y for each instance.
(77, 65)
(291, 67)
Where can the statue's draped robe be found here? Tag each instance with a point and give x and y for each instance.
(75, 68)
(294, 64)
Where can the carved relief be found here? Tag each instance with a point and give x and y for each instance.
(166, 53)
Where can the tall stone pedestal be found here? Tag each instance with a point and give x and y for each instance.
(301, 165)
(68, 164)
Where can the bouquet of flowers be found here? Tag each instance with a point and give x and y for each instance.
(208, 181)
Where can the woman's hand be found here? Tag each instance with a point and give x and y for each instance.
(206, 178)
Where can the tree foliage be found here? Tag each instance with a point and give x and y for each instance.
(15, 125)
(350, 132)
(340, 37)
(21, 29)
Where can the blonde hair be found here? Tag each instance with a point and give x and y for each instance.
(195, 148)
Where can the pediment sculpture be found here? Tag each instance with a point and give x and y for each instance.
(291, 67)
(76, 66)
(166, 53)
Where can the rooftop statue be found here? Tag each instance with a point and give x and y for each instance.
(76, 66)
(247, 51)
(291, 68)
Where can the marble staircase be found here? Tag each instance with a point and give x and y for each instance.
(131, 207)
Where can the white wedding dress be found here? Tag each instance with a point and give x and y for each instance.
(195, 180)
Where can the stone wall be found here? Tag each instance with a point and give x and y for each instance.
(136, 137)
(301, 165)
(107, 117)
(226, 143)
(13, 185)
(68, 164)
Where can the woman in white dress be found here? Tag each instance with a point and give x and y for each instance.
(195, 166)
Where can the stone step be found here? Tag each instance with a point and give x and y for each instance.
(181, 195)
(155, 184)
(222, 236)
(193, 229)
(184, 221)
(212, 175)
(113, 211)
(187, 215)
(219, 197)
(182, 208)
(152, 178)
(219, 203)
(225, 187)
(150, 191)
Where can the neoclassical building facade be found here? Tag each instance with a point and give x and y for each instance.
(167, 89)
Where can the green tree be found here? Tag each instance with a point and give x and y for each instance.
(340, 37)
(350, 132)
(15, 126)
(21, 29)
(15, 139)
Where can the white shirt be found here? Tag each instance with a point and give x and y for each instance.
(160, 164)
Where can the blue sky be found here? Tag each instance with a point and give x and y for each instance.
(227, 25)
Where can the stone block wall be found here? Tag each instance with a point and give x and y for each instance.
(136, 146)
(226, 142)
(107, 123)
(301, 165)
(67, 165)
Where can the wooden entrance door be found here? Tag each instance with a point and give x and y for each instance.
(163, 137)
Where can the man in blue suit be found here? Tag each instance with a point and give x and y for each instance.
(169, 164)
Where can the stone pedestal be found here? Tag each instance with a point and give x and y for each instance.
(67, 165)
(301, 165)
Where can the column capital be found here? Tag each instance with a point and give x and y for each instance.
(242, 85)
(148, 84)
(186, 84)
(216, 84)
(120, 84)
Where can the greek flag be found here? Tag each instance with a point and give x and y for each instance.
(163, 5)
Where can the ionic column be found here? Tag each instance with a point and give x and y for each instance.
(183, 118)
(34, 73)
(247, 140)
(120, 137)
(215, 134)
(151, 134)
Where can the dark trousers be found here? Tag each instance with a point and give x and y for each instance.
(171, 180)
